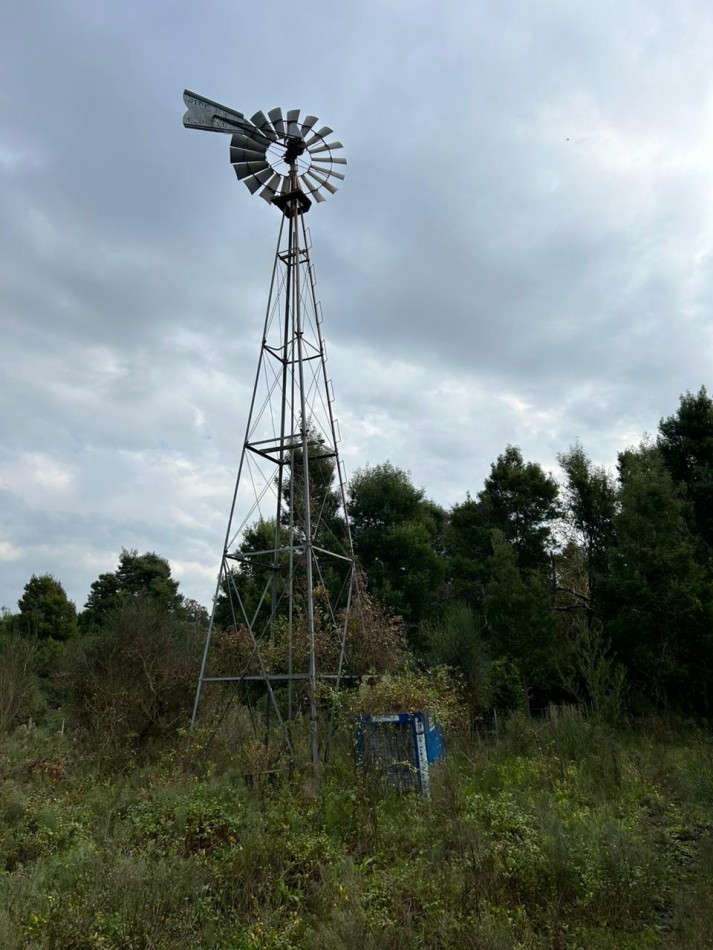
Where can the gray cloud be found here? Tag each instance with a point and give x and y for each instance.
(521, 251)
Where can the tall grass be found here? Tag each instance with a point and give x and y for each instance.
(558, 832)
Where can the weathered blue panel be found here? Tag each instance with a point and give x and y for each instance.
(400, 747)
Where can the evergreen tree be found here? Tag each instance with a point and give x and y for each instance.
(658, 595)
(686, 445)
(518, 617)
(45, 610)
(397, 533)
(520, 500)
(468, 552)
(589, 509)
(138, 576)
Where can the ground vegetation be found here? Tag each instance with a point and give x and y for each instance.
(560, 632)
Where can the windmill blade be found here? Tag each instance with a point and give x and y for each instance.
(277, 121)
(210, 116)
(293, 124)
(310, 120)
(332, 189)
(321, 134)
(252, 141)
(312, 186)
(245, 155)
(251, 138)
(327, 147)
(313, 193)
(258, 180)
(270, 190)
(326, 171)
(261, 121)
(245, 169)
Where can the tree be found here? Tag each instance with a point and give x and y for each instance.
(138, 576)
(325, 502)
(376, 640)
(520, 500)
(686, 445)
(468, 552)
(659, 599)
(8, 623)
(589, 508)
(45, 610)
(195, 613)
(518, 617)
(251, 576)
(456, 639)
(396, 532)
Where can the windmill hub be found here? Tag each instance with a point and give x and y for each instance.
(295, 148)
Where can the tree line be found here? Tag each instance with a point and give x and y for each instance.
(597, 588)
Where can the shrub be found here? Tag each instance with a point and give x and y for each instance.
(437, 690)
(135, 681)
(20, 694)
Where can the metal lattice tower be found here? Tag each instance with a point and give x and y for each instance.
(287, 577)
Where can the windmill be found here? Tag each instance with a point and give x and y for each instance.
(287, 576)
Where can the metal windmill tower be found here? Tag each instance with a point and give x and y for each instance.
(287, 577)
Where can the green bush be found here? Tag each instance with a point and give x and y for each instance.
(133, 683)
(20, 688)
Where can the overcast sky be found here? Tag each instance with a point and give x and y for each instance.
(521, 252)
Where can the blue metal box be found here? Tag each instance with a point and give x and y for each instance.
(400, 748)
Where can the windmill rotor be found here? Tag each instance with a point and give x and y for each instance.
(273, 154)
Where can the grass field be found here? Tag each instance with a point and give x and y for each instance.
(555, 832)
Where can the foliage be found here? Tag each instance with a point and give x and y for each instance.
(251, 577)
(375, 644)
(686, 445)
(457, 640)
(376, 640)
(437, 690)
(518, 616)
(134, 681)
(556, 833)
(45, 610)
(521, 501)
(395, 531)
(658, 594)
(20, 688)
(325, 501)
(590, 506)
(137, 576)
(468, 553)
(598, 678)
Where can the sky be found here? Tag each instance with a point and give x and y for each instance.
(520, 253)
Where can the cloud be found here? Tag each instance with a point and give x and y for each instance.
(520, 252)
